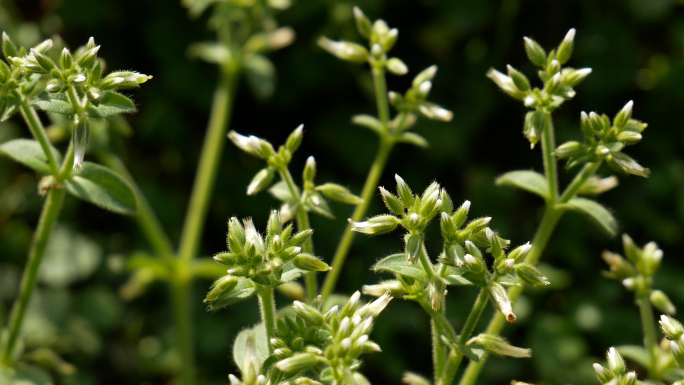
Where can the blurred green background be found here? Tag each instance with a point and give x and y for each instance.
(636, 51)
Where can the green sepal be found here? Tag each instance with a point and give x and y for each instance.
(110, 103)
(454, 276)
(56, 103)
(595, 211)
(259, 333)
(370, 122)
(530, 181)
(635, 353)
(29, 153)
(338, 193)
(243, 290)
(474, 352)
(397, 264)
(414, 139)
(103, 187)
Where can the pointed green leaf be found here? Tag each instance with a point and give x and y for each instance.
(110, 103)
(259, 332)
(290, 273)
(398, 264)
(370, 122)
(508, 280)
(473, 352)
(102, 187)
(414, 139)
(244, 289)
(531, 181)
(56, 103)
(455, 276)
(29, 153)
(635, 353)
(281, 192)
(595, 211)
(9, 104)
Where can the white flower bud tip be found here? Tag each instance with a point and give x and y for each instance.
(605, 150)
(273, 341)
(433, 196)
(51, 87)
(570, 94)
(297, 250)
(346, 343)
(414, 218)
(399, 179)
(333, 309)
(358, 13)
(393, 33)
(631, 377)
(599, 369)
(261, 380)
(344, 325)
(658, 254)
(118, 80)
(675, 347)
(490, 234)
(628, 107)
(431, 71)
(425, 87)
(510, 263)
(592, 115)
(525, 248)
(554, 63)
(438, 203)
(445, 216)
(529, 101)
(628, 283)
(315, 200)
(362, 340)
(95, 95)
(583, 72)
(466, 205)
(354, 299)
(442, 114)
(570, 36)
(233, 380)
(557, 78)
(470, 260)
(376, 50)
(79, 79)
(356, 320)
(486, 220)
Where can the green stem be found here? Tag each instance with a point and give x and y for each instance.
(650, 339)
(425, 262)
(267, 308)
(439, 318)
(369, 189)
(183, 324)
(381, 96)
(438, 349)
(550, 168)
(587, 171)
(147, 220)
(302, 224)
(38, 132)
(48, 217)
(207, 168)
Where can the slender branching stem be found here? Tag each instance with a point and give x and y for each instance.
(183, 324)
(302, 224)
(38, 132)
(268, 317)
(650, 339)
(548, 146)
(438, 316)
(208, 166)
(438, 349)
(48, 217)
(588, 170)
(426, 264)
(381, 95)
(369, 189)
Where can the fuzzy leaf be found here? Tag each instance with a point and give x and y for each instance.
(596, 212)
(8, 106)
(56, 103)
(290, 273)
(454, 276)
(473, 352)
(110, 103)
(508, 280)
(635, 353)
(531, 181)
(398, 264)
(281, 192)
(29, 153)
(102, 187)
(259, 332)
(244, 289)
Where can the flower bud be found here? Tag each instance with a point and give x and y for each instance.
(535, 52)
(395, 288)
(396, 66)
(221, 286)
(344, 50)
(363, 23)
(520, 252)
(530, 275)
(309, 313)
(8, 46)
(414, 379)
(575, 77)
(243, 143)
(225, 258)
(506, 84)
(519, 79)
(87, 58)
(392, 202)
(310, 263)
(428, 205)
(662, 302)
(671, 327)
(45, 63)
(297, 363)
(404, 192)
(461, 214)
(569, 149)
(388, 40)
(436, 289)
(339, 193)
(261, 181)
(623, 116)
(434, 112)
(502, 301)
(553, 85)
(474, 265)
(478, 224)
(299, 238)
(629, 137)
(615, 362)
(376, 225)
(618, 265)
(566, 46)
(80, 141)
(624, 163)
(295, 139)
(373, 309)
(498, 345)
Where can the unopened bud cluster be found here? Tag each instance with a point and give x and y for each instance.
(674, 332)
(637, 270)
(461, 255)
(604, 140)
(331, 341)
(558, 83)
(616, 371)
(262, 260)
(277, 162)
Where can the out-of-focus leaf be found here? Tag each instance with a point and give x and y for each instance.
(259, 332)
(69, 257)
(596, 212)
(29, 153)
(260, 73)
(531, 181)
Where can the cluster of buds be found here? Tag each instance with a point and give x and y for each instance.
(381, 39)
(558, 83)
(637, 270)
(674, 332)
(329, 343)
(461, 250)
(16, 80)
(261, 260)
(605, 141)
(616, 372)
(277, 162)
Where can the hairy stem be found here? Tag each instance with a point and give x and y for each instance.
(38, 132)
(267, 309)
(438, 349)
(367, 193)
(48, 217)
